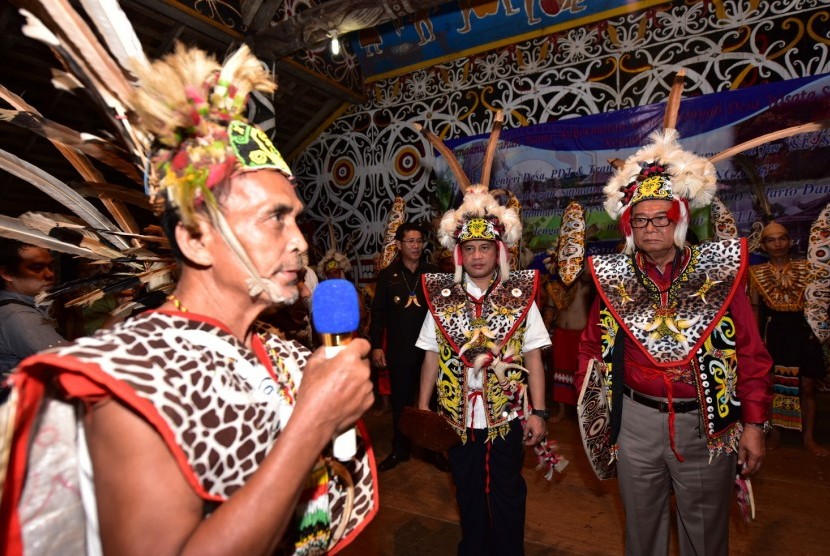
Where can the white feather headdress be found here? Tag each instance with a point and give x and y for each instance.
(480, 216)
(661, 170)
(500, 223)
(332, 260)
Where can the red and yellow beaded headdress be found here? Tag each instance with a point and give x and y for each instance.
(661, 170)
(195, 109)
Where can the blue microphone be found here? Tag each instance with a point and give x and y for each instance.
(334, 308)
(336, 316)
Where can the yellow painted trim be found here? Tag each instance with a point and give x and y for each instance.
(213, 23)
(580, 22)
(320, 129)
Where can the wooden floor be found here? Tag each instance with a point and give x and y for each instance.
(578, 514)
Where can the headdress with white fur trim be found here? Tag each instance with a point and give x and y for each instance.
(480, 216)
(333, 261)
(661, 170)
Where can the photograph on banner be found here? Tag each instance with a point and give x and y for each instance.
(547, 166)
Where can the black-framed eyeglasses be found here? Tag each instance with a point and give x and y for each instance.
(657, 221)
(413, 241)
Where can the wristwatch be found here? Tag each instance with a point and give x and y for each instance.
(543, 413)
(765, 426)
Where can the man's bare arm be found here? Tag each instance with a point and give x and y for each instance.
(145, 505)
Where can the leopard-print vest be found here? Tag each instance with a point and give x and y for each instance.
(688, 325)
(503, 313)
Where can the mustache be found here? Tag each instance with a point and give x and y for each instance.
(294, 266)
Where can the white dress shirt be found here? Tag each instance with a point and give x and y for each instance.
(536, 336)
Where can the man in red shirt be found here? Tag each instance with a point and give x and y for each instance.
(672, 335)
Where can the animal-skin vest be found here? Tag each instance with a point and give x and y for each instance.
(474, 327)
(688, 325)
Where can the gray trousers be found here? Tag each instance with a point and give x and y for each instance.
(648, 471)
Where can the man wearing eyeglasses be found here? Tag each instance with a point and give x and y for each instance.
(672, 338)
(398, 310)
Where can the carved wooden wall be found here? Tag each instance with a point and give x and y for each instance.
(352, 173)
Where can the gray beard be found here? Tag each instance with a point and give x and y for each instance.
(282, 300)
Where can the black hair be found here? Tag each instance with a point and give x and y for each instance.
(10, 258)
(408, 227)
(170, 217)
(168, 220)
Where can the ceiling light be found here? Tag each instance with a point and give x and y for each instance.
(335, 44)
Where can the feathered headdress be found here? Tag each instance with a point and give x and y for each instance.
(662, 170)
(480, 216)
(105, 80)
(195, 109)
(186, 130)
(333, 260)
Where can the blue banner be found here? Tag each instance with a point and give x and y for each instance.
(466, 27)
(546, 166)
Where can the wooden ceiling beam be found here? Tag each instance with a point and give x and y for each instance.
(328, 86)
(321, 114)
(258, 14)
(249, 9)
(193, 20)
(170, 39)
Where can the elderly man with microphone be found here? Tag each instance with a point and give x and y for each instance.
(194, 428)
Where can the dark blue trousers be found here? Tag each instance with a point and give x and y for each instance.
(490, 523)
